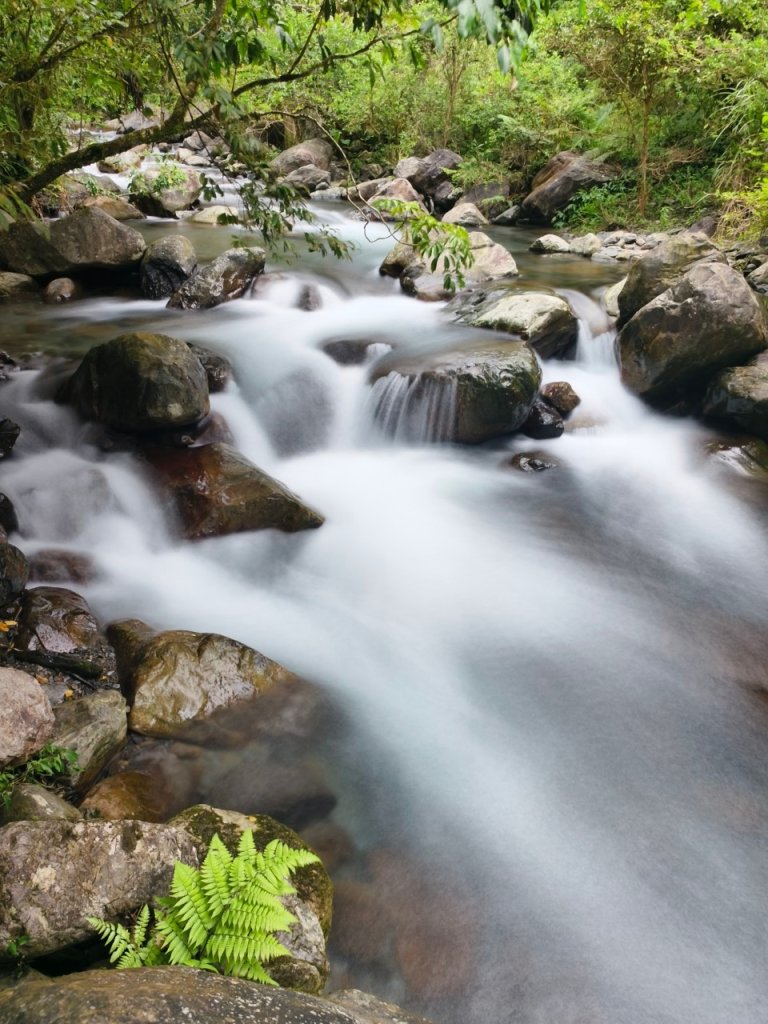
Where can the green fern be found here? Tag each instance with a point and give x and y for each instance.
(223, 917)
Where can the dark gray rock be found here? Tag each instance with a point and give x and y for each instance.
(225, 278)
(544, 421)
(558, 182)
(739, 396)
(166, 265)
(9, 434)
(14, 573)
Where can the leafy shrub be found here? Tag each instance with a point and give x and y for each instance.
(44, 768)
(222, 917)
(170, 175)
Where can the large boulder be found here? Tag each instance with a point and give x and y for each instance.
(95, 727)
(662, 267)
(225, 278)
(308, 178)
(709, 320)
(178, 995)
(306, 968)
(466, 214)
(115, 207)
(139, 382)
(54, 875)
(467, 395)
(318, 152)
(558, 182)
(166, 265)
(88, 239)
(393, 188)
(26, 718)
(490, 261)
(177, 678)
(123, 162)
(739, 396)
(544, 320)
(214, 490)
(157, 200)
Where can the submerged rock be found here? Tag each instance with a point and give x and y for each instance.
(709, 320)
(61, 289)
(467, 396)
(215, 490)
(127, 796)
(56, 874)
(139, 382)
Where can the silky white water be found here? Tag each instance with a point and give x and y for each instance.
(532, 670)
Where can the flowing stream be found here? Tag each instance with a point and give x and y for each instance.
(544, 740)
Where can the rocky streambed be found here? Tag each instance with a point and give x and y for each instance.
(271, 563)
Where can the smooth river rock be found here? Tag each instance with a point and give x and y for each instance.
(223, 279)
(95, 727)
(139, 382)
(544, 320)
(214, 490)
(739, 396)
(166, 265)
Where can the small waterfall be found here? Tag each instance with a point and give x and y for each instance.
(416, 410)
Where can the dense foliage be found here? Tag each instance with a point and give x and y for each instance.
(223, 917)
(674, 92)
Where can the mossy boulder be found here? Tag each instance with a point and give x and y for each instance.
(306, 969)
(139, 382)
(30, 802)
(466, 395)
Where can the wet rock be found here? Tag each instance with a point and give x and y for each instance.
(36, 803)
(610, 299)
(550, 244)
(88, 239)
(318, 152)
(171, 995)
(54, 565)
(661, 268)
(739, 396)
(9, 434)
(61, 289)
(369, 1009)
(8, 366)
(218, 369)
(348, 351)
(17, 286)
(14, 573)
(307, 967)
(308, 178)
(8, 519)
(507, 218)
(561, 396)
(215, 490)
(489, 390)
(758, 278)
(545, 321)
(117, 208)
(212, 429)
(139, 382)
(491, 261)
(558, 182)
(167, 202)
(127, 796)
(466, 214)
(166, 265)
(215, 215)
(95, 727)
(176, 678)
(222, 280)
(56, 874)
(543, 421)
(531, 462)
(26, 718)
(56, 619)
(709, 320)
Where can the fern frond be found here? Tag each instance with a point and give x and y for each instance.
(140, 926)
(115, 937)
(172, 937)
(190, 905)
